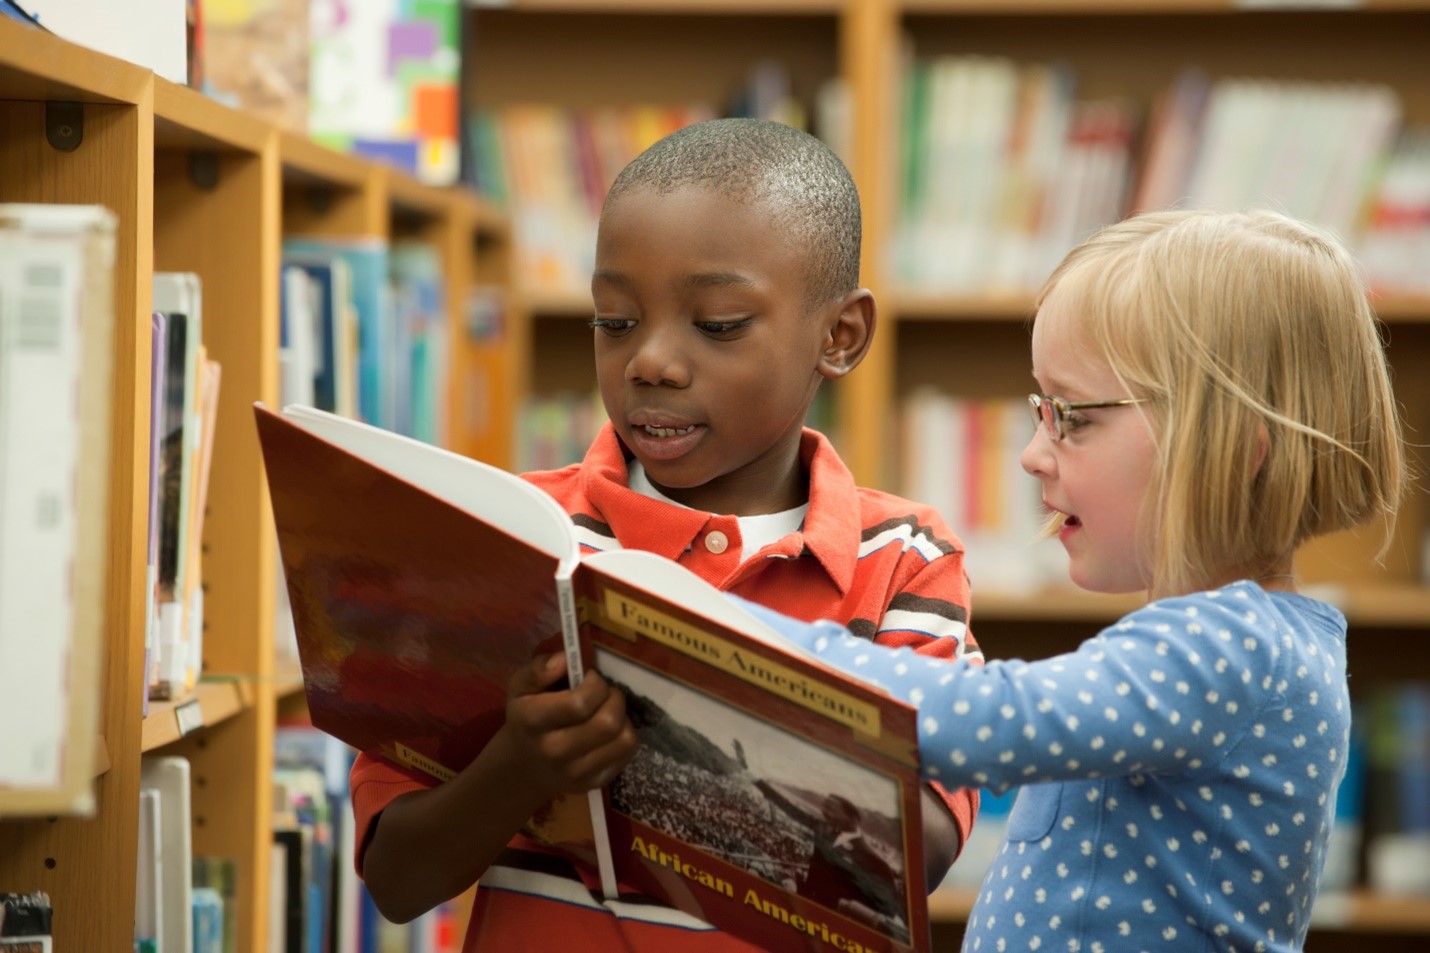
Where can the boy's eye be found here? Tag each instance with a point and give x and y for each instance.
(612, 326)
(723, 328)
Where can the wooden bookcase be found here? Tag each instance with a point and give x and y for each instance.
(587, 53)
(201, 187)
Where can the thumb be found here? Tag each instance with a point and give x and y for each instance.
(541, 673)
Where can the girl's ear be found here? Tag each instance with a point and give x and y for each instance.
(848, 332)
(1263, 443)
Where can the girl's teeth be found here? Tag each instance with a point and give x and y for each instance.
(668, 431)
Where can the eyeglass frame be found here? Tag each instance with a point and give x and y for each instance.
(1056, 421)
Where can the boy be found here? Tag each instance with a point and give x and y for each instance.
(726, 289)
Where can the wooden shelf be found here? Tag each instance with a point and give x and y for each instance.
(307, 162)
(556, 303)
(287, 682)
(917, 306)
(210, 703)
(37, 65)
(667, 8)
(1392, 308)
(1138, 8)
(186, 119)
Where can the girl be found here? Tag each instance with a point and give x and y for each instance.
(1214, 394)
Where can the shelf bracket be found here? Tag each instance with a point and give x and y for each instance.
(64, 125)
(203, 169)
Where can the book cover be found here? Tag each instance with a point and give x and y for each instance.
(772, 796)
(256, 58)
(57, 325)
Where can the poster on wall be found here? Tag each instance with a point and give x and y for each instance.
(383, 82)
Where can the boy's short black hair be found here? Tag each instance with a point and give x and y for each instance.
(756, 161)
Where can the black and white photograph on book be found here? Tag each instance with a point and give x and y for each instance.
(804, 818)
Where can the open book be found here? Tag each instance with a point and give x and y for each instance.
(771, 796)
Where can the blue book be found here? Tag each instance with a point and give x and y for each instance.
(367, 261)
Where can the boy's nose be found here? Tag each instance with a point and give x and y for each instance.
(658, 361)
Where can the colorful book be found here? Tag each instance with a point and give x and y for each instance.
(421, 580)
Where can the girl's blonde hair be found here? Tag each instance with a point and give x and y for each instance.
(1251, 334)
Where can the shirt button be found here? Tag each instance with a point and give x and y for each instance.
(717, 542)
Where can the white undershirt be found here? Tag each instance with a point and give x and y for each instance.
(756, 532)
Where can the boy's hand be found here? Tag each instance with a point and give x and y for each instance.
(570, 740)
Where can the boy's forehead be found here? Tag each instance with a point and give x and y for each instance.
(700, 210)
(654, 201)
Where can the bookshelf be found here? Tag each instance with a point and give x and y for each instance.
(201, 187)
(582, 55)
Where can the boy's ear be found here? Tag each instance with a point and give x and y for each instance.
(849, 330)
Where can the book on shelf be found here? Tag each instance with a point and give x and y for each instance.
(354, 315)
(771, 795)
(150, 33)
(190, 399)
(256, 58)
(26, 920)
(148, 897)
(169, 777)
(56, 366)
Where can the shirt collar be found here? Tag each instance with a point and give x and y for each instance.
(830, 534)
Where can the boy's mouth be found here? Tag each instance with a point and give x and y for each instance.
(667, 431)
(660, 441)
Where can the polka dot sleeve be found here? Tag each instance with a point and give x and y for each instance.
(1170, 688)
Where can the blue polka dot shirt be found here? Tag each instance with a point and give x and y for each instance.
(1178, 771)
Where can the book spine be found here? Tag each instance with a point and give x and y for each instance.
(571, 639)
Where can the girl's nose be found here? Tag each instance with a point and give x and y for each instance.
(1037, 456)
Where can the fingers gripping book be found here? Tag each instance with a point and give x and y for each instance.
(771, 795)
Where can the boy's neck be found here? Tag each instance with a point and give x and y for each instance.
(735, 497)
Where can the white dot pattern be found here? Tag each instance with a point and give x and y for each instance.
(1180, 771)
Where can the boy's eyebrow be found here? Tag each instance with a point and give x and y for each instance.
(704, 279)
(719, 279)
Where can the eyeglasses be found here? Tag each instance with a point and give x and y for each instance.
(1052, 412)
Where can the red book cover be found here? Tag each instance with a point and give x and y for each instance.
(772, 795)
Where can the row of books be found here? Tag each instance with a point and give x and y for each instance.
(1004, 168)
(182, 903)
(364, 331)
(552, 166)
(363, 334)
(1393, 802)
(378, 79)
(319, 905)
(184, 392)
(961, 456)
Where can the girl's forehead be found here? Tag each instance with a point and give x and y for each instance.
(1065, 356)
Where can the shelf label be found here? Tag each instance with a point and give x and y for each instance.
(190, 717)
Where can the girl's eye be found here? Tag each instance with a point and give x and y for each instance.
(1074, 420)
(612, 326)
(723, 328)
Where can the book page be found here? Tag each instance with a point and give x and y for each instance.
(500, 498)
